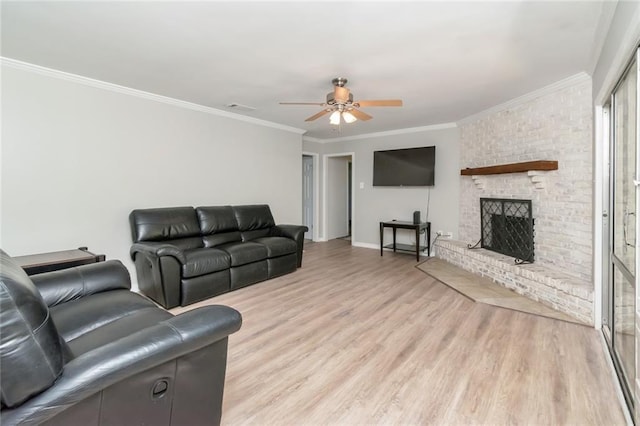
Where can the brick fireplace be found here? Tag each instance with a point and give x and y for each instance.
(554, 124)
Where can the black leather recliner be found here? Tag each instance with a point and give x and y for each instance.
(184, 255)
(79, 348)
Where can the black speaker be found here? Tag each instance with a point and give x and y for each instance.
(416, 217)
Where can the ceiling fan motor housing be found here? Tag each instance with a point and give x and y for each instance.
(331, 99)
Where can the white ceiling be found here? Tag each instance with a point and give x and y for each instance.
(445, 60)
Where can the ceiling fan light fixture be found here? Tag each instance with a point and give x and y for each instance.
(348, 117)
(335, 118)
(341, 106)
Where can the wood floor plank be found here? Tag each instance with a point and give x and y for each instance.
(355, 338)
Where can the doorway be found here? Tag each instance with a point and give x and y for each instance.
(620, 256)
(310, 182)
(338, 196)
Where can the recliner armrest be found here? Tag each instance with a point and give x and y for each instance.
(73, 283)
(295, 232)
(157, 250)
(100, 368)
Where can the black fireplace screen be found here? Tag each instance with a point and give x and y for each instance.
(507, 227)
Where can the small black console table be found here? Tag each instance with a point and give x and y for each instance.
(417, 227)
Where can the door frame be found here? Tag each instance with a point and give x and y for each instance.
(325, 177)
(316, 193)
(603, 220)
(601, 213)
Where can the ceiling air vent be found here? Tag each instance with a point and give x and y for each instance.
(239, 107)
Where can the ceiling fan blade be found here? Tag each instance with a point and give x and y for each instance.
(360, 115)
(387, 102)
(341, 94)
(302, 103)
(318, 115)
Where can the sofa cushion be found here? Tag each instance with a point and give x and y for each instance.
(244, 252)
(254, 221)
(277, 246)
(186, 243)
(32, 352)
(81, 316)
(133, 321)
(216, 219)
(252, 217)
(164, 224)
(204, 261)
(218, 225)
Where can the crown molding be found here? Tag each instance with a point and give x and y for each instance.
(581, 77)
(382, 134)
(62, 75)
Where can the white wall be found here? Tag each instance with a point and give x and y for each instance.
(375, 204)
(77, 159)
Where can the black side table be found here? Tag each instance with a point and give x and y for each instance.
(417, 227)
(53, 261)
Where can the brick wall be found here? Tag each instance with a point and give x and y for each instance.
(554, 126)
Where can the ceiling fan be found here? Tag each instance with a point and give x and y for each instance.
(341, 105)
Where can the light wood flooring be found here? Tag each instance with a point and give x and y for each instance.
(355, 338)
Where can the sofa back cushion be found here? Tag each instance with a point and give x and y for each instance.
(254, 221)
(218, 225)
(175, 225)
(32, 352)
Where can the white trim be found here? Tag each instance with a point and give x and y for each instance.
(616, 380)
(365, 245)
(598, 208)
(553, 87)
(315, 236)
(382, 134)
(325, 170)
(61, 75)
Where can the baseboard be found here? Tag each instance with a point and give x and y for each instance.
(377, 247)
(365, 245)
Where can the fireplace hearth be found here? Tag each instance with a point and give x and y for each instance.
(507, 228)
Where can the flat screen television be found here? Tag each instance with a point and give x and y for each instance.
(404, 167)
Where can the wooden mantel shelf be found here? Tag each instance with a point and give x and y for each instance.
(511, 168)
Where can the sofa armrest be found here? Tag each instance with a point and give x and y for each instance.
(100, 368)
(158, 267)
(73, 283)
(157, 250)
(295, 232)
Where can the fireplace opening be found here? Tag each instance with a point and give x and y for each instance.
(507, 228)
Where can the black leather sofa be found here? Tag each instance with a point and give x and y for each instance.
(79, 348)
(184, 255)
